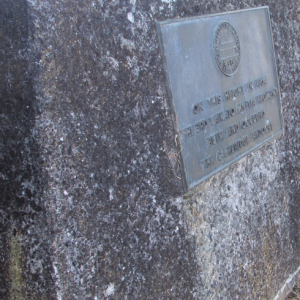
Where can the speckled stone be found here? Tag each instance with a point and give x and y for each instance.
(92, 202)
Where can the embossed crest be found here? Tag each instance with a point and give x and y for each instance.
(227, 49)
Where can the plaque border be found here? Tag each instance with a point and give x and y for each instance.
(159, 25)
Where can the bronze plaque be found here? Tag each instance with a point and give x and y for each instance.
(223, 86)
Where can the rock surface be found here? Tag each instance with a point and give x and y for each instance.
(92, 204)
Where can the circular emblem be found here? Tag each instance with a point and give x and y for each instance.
(227, 49)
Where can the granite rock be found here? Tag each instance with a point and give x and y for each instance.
(92, 201)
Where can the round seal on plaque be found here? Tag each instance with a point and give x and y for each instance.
(227, 48)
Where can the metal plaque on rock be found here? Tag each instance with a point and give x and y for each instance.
(223, 86)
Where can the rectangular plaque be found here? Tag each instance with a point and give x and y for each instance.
(223, 86)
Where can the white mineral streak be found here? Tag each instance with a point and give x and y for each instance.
(130, 17)
(288, 285)
(110, 290)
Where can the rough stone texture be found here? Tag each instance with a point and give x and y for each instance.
(92, 204)
(25, 270)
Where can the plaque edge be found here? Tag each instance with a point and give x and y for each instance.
(172, 21)
(276, 71)
(172, 106)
